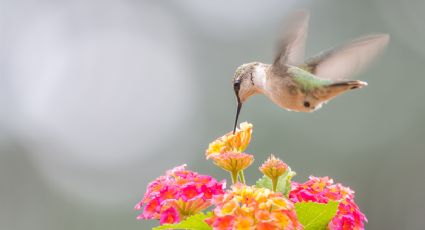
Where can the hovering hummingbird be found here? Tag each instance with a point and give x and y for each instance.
(304, 86)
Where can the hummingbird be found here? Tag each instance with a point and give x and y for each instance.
(302, 85)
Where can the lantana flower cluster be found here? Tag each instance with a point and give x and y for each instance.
(248, 207)
(271, 204)
(178, 194)
(323, 190)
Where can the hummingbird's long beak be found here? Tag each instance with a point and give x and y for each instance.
(238, 110)
(236, 87)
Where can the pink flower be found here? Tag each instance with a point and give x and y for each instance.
(169, 215)
(323, 190)
(178, 194)
(191, 192)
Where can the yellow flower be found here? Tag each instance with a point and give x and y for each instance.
(230, 142)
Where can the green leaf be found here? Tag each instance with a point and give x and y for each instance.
(195, 222)
(265, 182)
(283, 184)
(315, 216)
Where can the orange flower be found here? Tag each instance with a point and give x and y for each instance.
(233, 162)
(231, 142)
(248, 207)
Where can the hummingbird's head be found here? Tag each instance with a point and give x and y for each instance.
(243, 84)
(243, 81)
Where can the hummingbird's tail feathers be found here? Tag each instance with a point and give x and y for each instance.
(338, 88)
(349, 84)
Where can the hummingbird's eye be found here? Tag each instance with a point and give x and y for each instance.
(236, 84)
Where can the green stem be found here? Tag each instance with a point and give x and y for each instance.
(242, 176)
(274, 183)
(234, 176)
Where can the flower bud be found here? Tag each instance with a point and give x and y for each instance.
(274, 168)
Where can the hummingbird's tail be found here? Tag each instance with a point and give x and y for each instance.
(346, 85)
(337, 88)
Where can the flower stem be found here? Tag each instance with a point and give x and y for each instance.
(274, 183)
(234, 176)
(242, 176)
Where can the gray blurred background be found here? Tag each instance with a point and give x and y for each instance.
(100, 97)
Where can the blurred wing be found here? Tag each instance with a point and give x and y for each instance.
(292, 42)
(349, 59)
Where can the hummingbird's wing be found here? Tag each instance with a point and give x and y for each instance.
(292, 42)
(349, 59)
